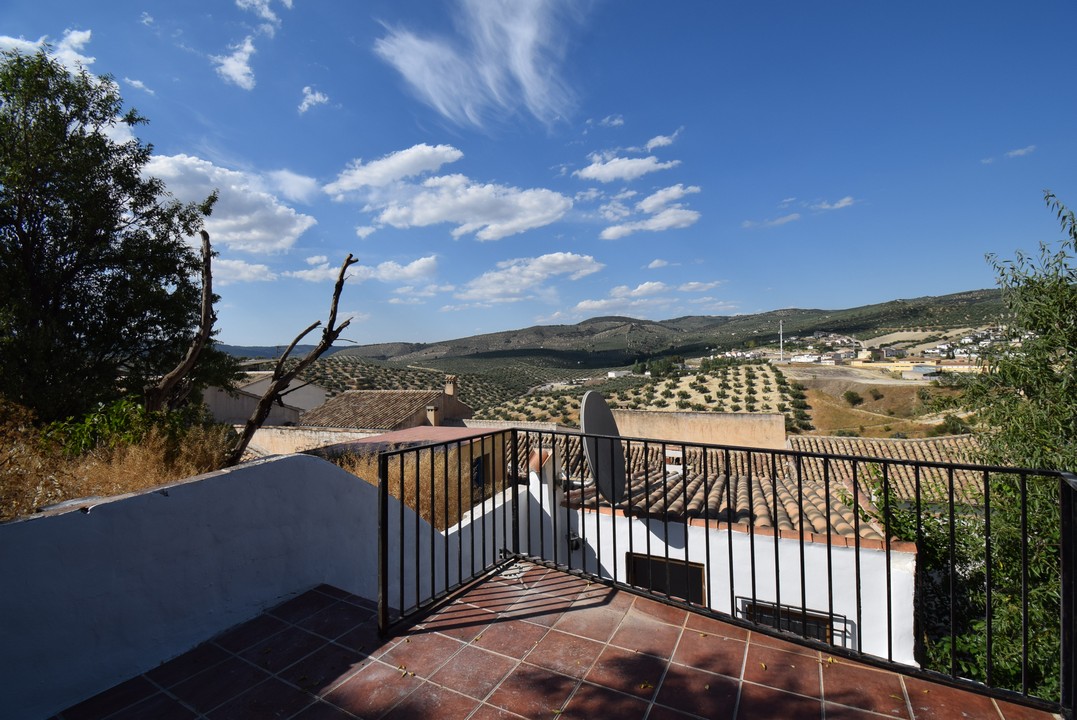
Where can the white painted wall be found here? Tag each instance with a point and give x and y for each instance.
(92, 598)
(829, 577)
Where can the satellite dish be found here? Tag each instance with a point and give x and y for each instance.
(605, 455)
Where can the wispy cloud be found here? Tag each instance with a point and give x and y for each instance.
(293, 186)
(311, 98)
(696, 286)
(1021, 152)
(526, 278)
(843, 203)
(657, 263)
(139, 85)
(612, 121)
(773, 222)
(227, 272)
(505, 56)
(322, 270)
(662, 140)
(68, 51)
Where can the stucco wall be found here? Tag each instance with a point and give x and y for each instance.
(763, 430)
(234, 408)
(92, 598)
(286, 440)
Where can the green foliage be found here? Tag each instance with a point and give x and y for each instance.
(121, 422)
(852, 397)
(96, 276)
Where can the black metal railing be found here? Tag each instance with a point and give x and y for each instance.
(959, 573)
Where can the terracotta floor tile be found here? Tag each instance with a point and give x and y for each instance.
(189, 663)
(760, 639)
(474, 672)
(422, 654)
(865, 688)
(661, 712)
(698, 692)
(780, 669)
(335, 620)
(539, 608)
(286, 647)
(711, 626)
(271, 699)
(591, 701)
(432, 701)
(489, 712)
(302, 606)
(661, 612)
(598, 595)
(157, 707)
(495, 595)
(112, 700)
(373, 691)
(564, 653)
(931, 701)
(758, 703)
(324, 668)
(514, 638)
(219, 684)
(642, 634)
(1012, 711)
(834, 711)
(460, 620)
(594, 623)
(364, 639)
(323, 711)
(250, 633)
(533, 692)
(627, 672)
(712, 653)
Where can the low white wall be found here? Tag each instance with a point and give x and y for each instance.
(92, 598)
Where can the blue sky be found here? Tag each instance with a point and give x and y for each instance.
(495, 165)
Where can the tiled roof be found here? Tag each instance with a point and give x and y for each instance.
(373, 409)
(731, 486)
(934, 482)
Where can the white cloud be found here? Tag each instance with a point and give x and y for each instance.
(775, 222)
(695, 286)
(1021, 152)
(139, 85)
(312, 97)
(843, 203)
(664, 197)
(236, 68)
(364, 231)
(146, 19)
(642, 290)
(614, 211)
(68, 51)
(667, 219)
(226, 272)
(588, 195)
(714, 306)
(392, 167)
(293, 186)
(490, 211)
(524, 278)
(260, 8)
(620, 306)
(657, 263)
(506, 55)
(987, 161)
(612, 121)
(662, 140)
(246, 217)
(389, 271)
(621, 168)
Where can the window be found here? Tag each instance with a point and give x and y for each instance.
(832, 630)
(677, 578)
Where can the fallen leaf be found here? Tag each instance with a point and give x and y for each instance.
(763, 665)
(645, 686)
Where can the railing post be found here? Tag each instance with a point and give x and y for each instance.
(1068, 496)
(383, 543)
(515, 450)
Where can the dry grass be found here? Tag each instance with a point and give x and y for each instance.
(34, 475)
(437, 485)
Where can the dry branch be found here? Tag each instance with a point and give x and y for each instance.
(282, 378)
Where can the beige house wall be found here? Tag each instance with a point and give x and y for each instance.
(287, 440)
(762, 430)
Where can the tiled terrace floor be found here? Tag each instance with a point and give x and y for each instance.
(534, 644)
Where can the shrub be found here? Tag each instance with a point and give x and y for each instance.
(852, 397)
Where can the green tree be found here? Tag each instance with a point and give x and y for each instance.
(852, 397)
(99, 290)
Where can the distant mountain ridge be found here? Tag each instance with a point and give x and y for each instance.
(616, 340)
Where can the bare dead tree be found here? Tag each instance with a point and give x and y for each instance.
(282, 378)
(157, 396)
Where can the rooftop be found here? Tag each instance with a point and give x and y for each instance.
(375, 409)
(526, 642)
